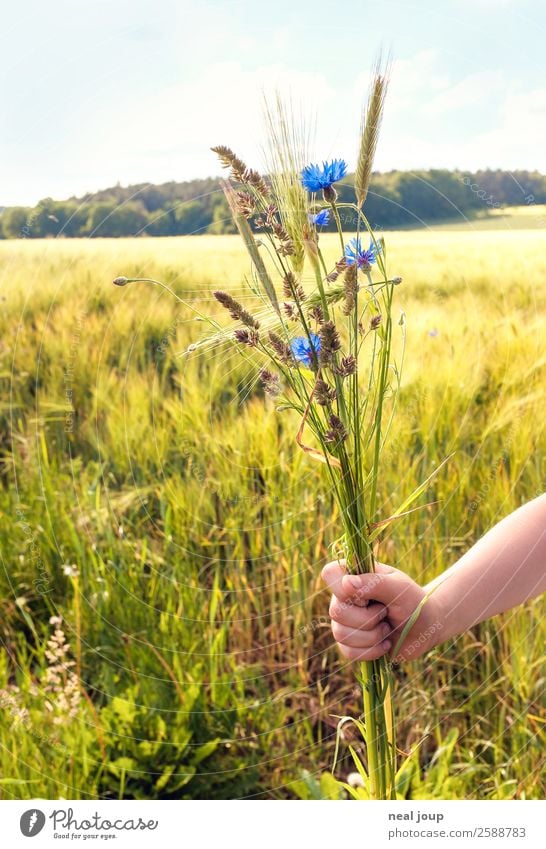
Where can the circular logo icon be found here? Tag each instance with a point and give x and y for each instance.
(32, 822)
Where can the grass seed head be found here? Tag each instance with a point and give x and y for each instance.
(245, 204)
(270, 382)
(236, 310)
(316, 313)
(281, 349)
(337, 431)
(350, 288)
(292, 289)
(239, 171)
(290, 312)
(370, 131)
(329, 342)
(347, 366)
(323, 393)
(247, 337)
(287, 154)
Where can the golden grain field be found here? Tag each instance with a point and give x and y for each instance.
(163, 533)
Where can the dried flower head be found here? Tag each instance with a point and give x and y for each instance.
(375, 322)
(347, 366)
(317, 314)
(245, 204)
(286, 248)
(329, 341)
(236, 310)
(270, 382)
(337, 431)
(341, 265)
(290, 312)
(239, 171)
(323, 393)
(229, 160)
(247, 337)
(286, 245)
(254, 179)
(292, 289)
(281, 349)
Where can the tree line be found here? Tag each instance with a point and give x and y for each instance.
(395, 199)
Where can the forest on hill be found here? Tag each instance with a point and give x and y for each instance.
(396, 199)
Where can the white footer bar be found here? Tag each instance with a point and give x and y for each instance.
(269, 825)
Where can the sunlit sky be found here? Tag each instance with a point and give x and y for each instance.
(96, 92)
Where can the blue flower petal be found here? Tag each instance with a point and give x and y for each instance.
(304, 349)
(316, 178)
(320, 219)
(355, 253)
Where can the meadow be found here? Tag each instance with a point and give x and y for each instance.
(164, 627)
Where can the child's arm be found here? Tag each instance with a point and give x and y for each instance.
(505, 568)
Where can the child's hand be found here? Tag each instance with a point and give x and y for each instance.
(369, 612)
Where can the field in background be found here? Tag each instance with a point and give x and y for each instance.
(532, 217)
(158, 509)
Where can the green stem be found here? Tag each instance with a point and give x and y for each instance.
(338, 225)
(366, 673)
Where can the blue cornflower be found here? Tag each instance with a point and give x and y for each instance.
(314, 178)
(321, 219)
(354, 252)
(305, 350)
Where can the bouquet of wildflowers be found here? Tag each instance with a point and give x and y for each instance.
(322, 341)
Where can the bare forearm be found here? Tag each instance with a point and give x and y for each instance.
(505, 568)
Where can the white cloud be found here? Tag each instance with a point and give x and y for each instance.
(470, 121)
(473, 89)
(518, 137)
(511, 142)
(171, 135)
(417, 78)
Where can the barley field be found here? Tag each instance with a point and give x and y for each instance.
(163, 622)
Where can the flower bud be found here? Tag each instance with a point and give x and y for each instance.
(329, 194)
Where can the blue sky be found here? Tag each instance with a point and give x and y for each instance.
(100, 91)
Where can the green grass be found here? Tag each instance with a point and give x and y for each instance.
(197, 621)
